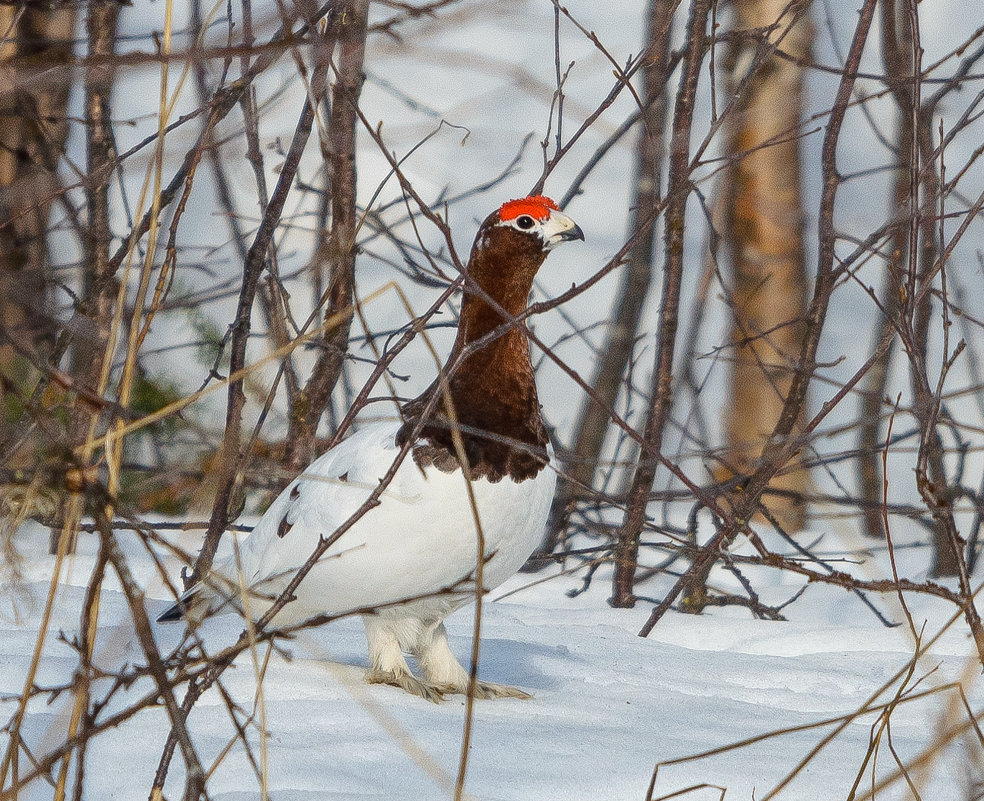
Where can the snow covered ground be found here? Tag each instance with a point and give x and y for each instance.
(607, 704)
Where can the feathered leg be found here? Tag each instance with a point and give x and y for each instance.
(444, 672)
(387, 664)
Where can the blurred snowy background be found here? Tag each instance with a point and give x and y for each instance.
(465, 95)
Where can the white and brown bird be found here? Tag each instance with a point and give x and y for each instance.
(413, 557)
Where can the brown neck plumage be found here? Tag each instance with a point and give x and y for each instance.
(492, 389)
(502, 367)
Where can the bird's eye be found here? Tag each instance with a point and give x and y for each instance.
(525, 222)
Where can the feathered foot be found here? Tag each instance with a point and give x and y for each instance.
(484, 690)
(445, 672)
(406, 681)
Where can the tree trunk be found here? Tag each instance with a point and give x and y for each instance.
(33, 128)
(581, 463)
(766, 233)
(100, 286)
(337, 249)
(230, 474)
(870, 479)
(914, 250)
(94, 314)
(661, 393)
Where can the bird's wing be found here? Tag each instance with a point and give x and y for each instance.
(420, 539)
(329, 491)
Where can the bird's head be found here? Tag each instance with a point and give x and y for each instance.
(533, 224)
(512, 243)
(539, 218)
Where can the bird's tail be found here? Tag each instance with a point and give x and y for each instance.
(184, 607)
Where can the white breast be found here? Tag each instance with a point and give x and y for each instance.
(421, 539)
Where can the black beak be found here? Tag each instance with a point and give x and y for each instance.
(572, 233)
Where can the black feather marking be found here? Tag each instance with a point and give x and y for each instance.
(284, 528)
(177, 611)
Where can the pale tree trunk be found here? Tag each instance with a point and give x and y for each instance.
(33, 128)
(766, 232)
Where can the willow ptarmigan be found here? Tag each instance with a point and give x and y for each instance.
(413, 557)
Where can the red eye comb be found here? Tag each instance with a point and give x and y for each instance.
(537, 206)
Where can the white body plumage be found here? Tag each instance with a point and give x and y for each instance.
(420, 540)
(413, 557)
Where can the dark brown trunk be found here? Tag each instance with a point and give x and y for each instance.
(592, 426)
(661, 398)
(94, 314)
(337, 250)
(33, 129)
